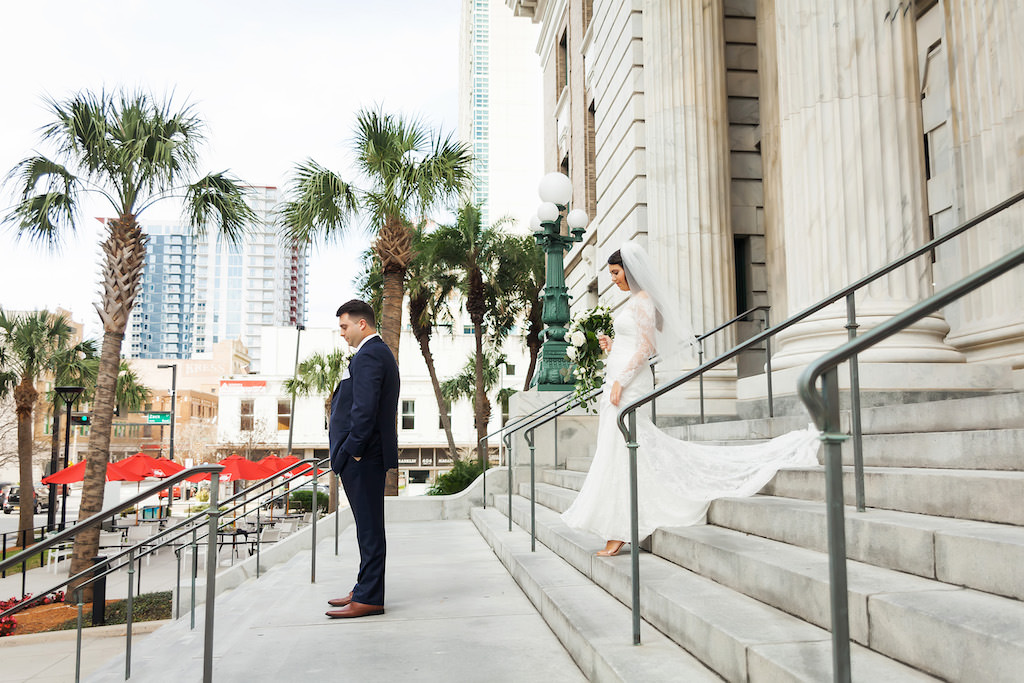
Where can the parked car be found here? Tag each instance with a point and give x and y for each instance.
(12, 501)
(177, 492)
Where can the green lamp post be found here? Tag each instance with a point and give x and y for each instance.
(555, 191)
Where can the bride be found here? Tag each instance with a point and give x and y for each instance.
(676, 479)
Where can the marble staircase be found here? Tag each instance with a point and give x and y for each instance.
(935, 586)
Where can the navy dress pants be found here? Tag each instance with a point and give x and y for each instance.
(364, 486)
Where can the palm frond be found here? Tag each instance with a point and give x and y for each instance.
(318, 374)
(131, 393)
(220, 197)
(321, 207)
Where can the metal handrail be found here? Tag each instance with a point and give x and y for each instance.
(628, 411)
(824, 409)
(531, 426)
(515, 426)
(70, 532)
(147, 546)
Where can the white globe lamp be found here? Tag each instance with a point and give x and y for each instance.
(555, 188)
(577, 219)
(547, 212)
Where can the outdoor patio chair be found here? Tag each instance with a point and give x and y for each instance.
(58, 554)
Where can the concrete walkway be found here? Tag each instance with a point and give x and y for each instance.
(453, 613)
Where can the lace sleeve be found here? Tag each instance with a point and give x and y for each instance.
(643, 309)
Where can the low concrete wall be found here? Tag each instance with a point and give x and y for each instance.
(455, 506)
(270, 555)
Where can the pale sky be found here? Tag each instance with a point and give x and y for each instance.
(275, 82)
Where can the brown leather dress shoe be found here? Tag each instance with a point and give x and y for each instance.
(340, 602)
(355, 609)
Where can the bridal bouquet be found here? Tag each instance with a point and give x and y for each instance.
(585, 353)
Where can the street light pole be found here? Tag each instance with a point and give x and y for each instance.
(299, 327)
(68, 395)
(555, 192)
(174, 392)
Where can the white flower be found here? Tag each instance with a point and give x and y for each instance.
(571, 352)
(578, 338)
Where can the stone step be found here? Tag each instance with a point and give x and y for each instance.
(593, 626)
(567, 479)
(977, 555)
(982, 495)
(737, 636)
(993, 411)
(550, 496)
(885, 607)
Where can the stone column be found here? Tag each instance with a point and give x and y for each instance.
(689, 231)
(986, 59)
(852, 173)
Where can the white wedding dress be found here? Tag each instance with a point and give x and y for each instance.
(676, 479)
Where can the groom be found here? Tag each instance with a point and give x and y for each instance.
(364, 446)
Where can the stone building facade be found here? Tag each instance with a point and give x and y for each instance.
(770, 152)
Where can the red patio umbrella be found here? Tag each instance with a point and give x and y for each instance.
(275, 464)
(237, 467)
(142, 466)
(76, 473)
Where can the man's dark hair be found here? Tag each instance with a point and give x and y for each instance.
(356, 309)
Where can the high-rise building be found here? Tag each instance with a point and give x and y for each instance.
(500, 109)
(198, 291)
(161, 323)
(243, 287)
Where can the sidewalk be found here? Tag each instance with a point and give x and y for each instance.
(453, 613)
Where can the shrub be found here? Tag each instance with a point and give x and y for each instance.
(458, 478)
(304, 499)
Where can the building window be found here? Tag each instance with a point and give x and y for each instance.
(510, 369)
(246, 412)
(284, 414)
(448, 411)
(562, 76)
(408, 414)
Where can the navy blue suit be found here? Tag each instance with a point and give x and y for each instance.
(364, 411)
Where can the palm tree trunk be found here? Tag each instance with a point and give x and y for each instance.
(428, 358)
(481, 396)
(125, 250)
(391, 310)
(25, 396)
(87, 542)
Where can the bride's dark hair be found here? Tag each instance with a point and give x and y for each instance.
(615, 259)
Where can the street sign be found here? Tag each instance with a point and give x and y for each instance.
(158, 418)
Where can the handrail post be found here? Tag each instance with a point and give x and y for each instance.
(634, 524)
(554, 433)
(768, 366)
(211, 579)
(480, 447)
(78, 637)
(195, 572)
(177, 584)
(836, 529)
(528, 435)
(507, 438)
(131, 602)
(654, 402)
(855, 426)
(316, 513)
(700, 361)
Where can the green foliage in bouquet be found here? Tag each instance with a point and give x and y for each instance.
(585, 352)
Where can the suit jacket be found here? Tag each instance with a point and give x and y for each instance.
(364, 408)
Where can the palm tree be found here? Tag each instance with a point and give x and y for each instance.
(133, 152)
(429, 288)
(476, 256)
(409, 171)
(529, 258)
(464, 384)
(319, 374)
(32, 343)
(76, 366)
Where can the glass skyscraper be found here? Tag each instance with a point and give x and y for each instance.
(197, 291)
